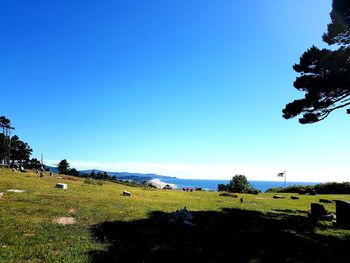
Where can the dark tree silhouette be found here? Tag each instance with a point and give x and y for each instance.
(222, 187)
(325, 73)
(63, 167)
(73, 172)
(5, 147)
(20, 151)
(33, 164)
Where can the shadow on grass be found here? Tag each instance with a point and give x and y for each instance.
(289, 211)
(231, 235)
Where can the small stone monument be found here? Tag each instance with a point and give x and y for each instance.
(343, 212)
(61, 186)
(126, 193)
(319, 212)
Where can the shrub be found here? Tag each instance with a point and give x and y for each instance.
(92, 181)
(226, 194)
(324, 188)
(333, 188)
(222, 187)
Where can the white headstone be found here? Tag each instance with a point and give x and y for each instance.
(16, 191)
(62, 186)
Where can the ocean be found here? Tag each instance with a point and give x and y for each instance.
(213, 184)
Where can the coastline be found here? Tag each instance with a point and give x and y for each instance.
(159, 184)
(211, 185)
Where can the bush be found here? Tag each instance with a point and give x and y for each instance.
(298, 189)
(324, 188)
(253, 191)
(238, 184)
(333, 188)
(226, 194)
(92, 181)
(222, 187)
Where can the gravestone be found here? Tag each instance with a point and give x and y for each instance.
(61, 186)
(126, 193)
(312, 192)
(302, 192)
(342, 209)
(319, 212)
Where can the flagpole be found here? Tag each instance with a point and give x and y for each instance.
(285, 178)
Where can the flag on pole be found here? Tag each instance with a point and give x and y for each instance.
(280, 174)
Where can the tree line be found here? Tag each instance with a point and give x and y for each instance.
(322, 188)
(13, 151)
(63, 167)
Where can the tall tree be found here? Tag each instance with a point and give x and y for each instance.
(20, 151)
(325, 73)
(5, 140)
(63, 167)
(239, 184)
(33, 164)
(3, 148)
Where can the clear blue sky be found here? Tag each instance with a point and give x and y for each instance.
(184, 88)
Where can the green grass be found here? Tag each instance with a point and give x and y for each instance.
(110, 226)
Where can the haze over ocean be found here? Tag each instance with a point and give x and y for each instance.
(212, 184)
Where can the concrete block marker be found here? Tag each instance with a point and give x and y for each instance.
(62, 186)
(126, 193)
(16, 191)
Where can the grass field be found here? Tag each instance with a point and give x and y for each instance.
(113, 228)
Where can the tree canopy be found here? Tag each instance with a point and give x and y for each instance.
(63, 167)
(238, 184)
(12, 150)
(325, 73)
(20, 151)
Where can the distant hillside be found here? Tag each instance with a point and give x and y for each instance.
(127, 176)
(119, 175)
(51, 168)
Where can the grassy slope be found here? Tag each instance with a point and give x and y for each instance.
(28, 234)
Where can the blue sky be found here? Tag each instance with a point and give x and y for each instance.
(192, 89)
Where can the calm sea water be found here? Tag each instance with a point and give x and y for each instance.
(213, 184)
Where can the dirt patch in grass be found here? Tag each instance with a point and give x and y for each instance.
(28, 234)
(72, 210)
(64, 220)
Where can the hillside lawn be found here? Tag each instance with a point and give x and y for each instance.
(114, 228)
